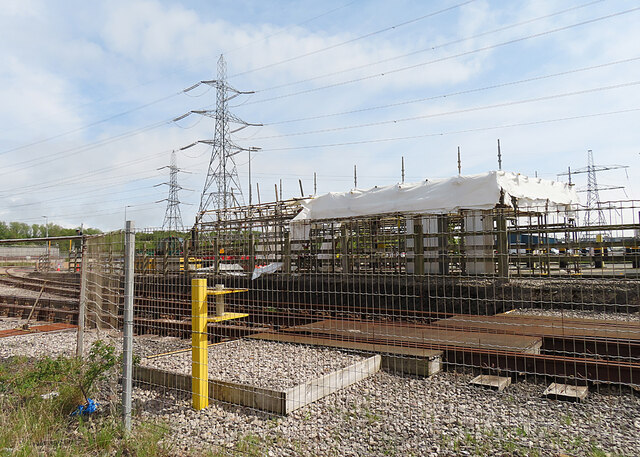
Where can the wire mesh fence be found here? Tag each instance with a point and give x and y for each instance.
(260, 332)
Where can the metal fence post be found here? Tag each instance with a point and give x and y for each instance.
(127, 350)
(82, 306)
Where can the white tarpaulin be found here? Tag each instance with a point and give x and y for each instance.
(436, 196)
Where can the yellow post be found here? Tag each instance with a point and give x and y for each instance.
(199, 343)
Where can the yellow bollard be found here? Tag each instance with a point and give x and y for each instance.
(199, 343)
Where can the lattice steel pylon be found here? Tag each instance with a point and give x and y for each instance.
(173, 216)
(594, 215)
(222, 187)
(593, 197)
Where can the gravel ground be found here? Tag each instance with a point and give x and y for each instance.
(404, 416)
(578, 314)
(262, 363)
(7, 323)
(6, 290)
(51, 344)
(382, 415)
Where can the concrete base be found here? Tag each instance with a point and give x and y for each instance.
(498, 383)
(269, 400)
(411, 365)
(566, 392)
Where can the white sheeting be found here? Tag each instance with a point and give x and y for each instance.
(437, 196)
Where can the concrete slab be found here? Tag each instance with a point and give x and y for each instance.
(498, 383)
(416, 366)
(566, 392)
(269, 400)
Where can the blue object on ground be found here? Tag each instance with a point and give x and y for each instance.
(89, 407)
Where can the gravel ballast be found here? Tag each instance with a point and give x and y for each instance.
(265, 364)
(577, 314)
(382, 415)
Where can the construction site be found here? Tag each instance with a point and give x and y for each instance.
(487, 280)
(489, 312)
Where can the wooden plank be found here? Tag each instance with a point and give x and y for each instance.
(421, 334)
(313, 390)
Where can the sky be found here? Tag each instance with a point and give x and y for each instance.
(89, 92)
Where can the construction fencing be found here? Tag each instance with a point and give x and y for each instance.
(259, 334)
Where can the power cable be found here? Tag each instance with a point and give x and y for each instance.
(452, 94)
(432, 48)
(86, 147)
(460, 111)
(93, 124)
(287, 28)
(352, 40)
(453, 132)
(445, 58)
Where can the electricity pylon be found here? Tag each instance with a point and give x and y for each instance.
(172, 216)
(594, 216)
(222, 187)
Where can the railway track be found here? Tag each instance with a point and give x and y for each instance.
(19, 280)
(608, 355)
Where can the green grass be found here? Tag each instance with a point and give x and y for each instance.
(33, 426)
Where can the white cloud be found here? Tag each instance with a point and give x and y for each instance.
(66, 68)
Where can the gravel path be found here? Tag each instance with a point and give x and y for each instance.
(262, 363)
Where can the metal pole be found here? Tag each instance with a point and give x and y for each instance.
(355, 177)
(127, 345)
(315, 184)
(459, 162)
(199, 345)
(83, 299)
(499, 156)
(402, 168)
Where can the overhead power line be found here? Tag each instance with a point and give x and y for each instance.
(353, 40)
(452, 94)
(443, 59)
(431, 48)
(460, 111)
(452, 132)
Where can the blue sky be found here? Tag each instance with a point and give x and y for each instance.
(88, 91)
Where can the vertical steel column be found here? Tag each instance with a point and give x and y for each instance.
(418, 247)
(199, 345)
(83, 299)
(127, 350)
(219, 301)
(502, 243)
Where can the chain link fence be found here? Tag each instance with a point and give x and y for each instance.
(508, 331)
